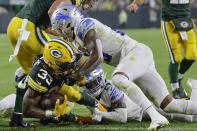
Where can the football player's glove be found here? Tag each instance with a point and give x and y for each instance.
(61, 109)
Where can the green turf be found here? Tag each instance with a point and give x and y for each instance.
(151, 37)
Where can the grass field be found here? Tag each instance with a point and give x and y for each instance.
(151, 37)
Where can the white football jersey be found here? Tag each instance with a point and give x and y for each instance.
(113, 41)
(110, 95)
(114, 95)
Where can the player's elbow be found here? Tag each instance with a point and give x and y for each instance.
(123, 118)
(50, 13)
(121, 114)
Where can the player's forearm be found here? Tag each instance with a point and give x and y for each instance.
(95, 59)
(118, 115)
(31, 107)
(52, 32)
(34, 113)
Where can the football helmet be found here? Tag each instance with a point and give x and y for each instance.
(95, 81)
(59, 55)
(65, 19)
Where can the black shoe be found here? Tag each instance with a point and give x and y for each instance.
(180, 93)
(17, 121)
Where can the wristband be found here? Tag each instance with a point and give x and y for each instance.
(49, 113)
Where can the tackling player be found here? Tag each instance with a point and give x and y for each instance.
(103, 42)
(26, 32)
(119, 50)
(120, 107)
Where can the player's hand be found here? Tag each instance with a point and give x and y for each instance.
(133, 7)
(61, 109)
(81, 81)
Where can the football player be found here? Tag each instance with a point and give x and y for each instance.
(120, 107)
(118, 49)
(47, 102)
(26, 32)
(178, 31)
(51, 72)
(103, 42)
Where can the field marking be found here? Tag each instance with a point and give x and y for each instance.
(117, 129)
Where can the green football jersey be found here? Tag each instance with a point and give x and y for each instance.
(36, 11)
(172, 9)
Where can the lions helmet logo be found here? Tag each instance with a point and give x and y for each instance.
(56, 53)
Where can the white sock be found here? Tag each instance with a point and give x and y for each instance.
(174, 86)
(193, 84)
(151, 111)
(182, 106)
(7, 102)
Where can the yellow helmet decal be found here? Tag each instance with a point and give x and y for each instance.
(58, 51)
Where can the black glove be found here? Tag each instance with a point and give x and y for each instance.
(47, 120)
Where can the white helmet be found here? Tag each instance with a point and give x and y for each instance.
(96, 82)
(65, 19)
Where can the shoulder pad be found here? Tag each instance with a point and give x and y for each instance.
(85, 25)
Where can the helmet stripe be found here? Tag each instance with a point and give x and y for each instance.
(67, 46)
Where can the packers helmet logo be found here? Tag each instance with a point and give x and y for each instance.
(56, 53)
(184, 24)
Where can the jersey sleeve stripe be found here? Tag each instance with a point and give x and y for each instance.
(36, 86)
(41, 36)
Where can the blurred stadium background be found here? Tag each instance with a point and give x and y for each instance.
(110, 12)
(143, 26)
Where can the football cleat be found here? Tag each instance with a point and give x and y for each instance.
(17, 121)
(180, 93)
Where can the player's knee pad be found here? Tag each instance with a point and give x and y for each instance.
(21, 80)
(121, 82)
(19, 75)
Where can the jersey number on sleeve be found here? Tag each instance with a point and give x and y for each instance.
(120, 32)
(43, 75)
